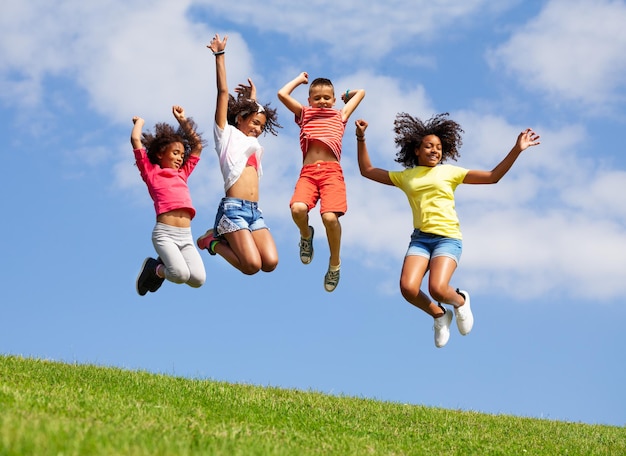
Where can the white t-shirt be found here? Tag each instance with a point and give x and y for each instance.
(233, 150)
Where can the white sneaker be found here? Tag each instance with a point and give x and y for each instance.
(463, 314)
(442, 328)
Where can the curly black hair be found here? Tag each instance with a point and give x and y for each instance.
(410, 131)
(243, 106)
(165, 134)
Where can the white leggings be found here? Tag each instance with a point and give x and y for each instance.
(181, 258)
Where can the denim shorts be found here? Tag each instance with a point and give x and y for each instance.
(234, 214)
(433, 245)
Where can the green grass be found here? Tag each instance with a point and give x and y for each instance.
(50, 408)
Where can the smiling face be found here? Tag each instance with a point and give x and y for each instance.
(322, 96)
(253, 125)
(172, 155)
(430, 151)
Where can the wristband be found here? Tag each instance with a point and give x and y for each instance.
(219, 52)
(347, 96)
(360, 138)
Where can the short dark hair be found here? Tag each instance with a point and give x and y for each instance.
(321, 82)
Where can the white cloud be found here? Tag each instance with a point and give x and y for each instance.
(371, 29)
(573, 50)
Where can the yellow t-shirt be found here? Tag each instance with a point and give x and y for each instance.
(430, 192)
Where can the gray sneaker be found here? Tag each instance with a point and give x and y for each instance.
(331, 280)
(306, 248)
(463, 314)
(442, 328)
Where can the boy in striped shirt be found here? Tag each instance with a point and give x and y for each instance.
(321, 178)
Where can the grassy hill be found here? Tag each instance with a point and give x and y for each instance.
(50, 408)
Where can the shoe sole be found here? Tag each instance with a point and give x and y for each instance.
(141, 271)
(204, 236)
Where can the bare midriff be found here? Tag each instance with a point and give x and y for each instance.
(247, 186)
(179, 218)
(318, 151)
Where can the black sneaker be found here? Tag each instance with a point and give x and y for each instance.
(146, 271)
(155, 281)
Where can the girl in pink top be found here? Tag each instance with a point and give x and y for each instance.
(165, 160)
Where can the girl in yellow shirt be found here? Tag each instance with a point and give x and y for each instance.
(436, 243)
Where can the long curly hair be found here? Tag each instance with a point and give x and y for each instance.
(410, 131)
(165, 134)
(244, 106)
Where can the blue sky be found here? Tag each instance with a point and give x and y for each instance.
(543, 249)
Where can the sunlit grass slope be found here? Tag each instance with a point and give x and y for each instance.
(51, 408)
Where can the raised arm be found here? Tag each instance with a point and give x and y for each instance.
(284, 94)
(365, 164)
(351, 98)
(196, 142)
(525, 139)
(135, 134)
(218, 48)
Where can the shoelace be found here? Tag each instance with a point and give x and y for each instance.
(305, 245)
(332, 277)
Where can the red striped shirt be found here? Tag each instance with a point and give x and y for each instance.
(321, 124)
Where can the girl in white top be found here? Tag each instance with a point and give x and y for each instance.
(239, 234)
(429, 186)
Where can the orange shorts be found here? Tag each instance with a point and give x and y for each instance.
(321, 181)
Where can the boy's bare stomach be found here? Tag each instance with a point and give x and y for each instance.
(318, 151)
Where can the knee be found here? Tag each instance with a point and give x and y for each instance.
(196, 281)
(330, 220)
(408, 289)
(299, 210)
(437, 292)
(269, 266)
(250, 267)
(178, 275)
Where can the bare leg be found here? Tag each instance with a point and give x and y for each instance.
(300, 215)
(240, 250)
(267, 249)
(441, 270)
(333, 234)
(413, 270)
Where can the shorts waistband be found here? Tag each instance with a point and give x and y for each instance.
(418, 232)
(320, 163)
(243, 202)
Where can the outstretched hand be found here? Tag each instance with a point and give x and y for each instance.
(527, 138)
(247, 91)
(361, 126)
(218, 45)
